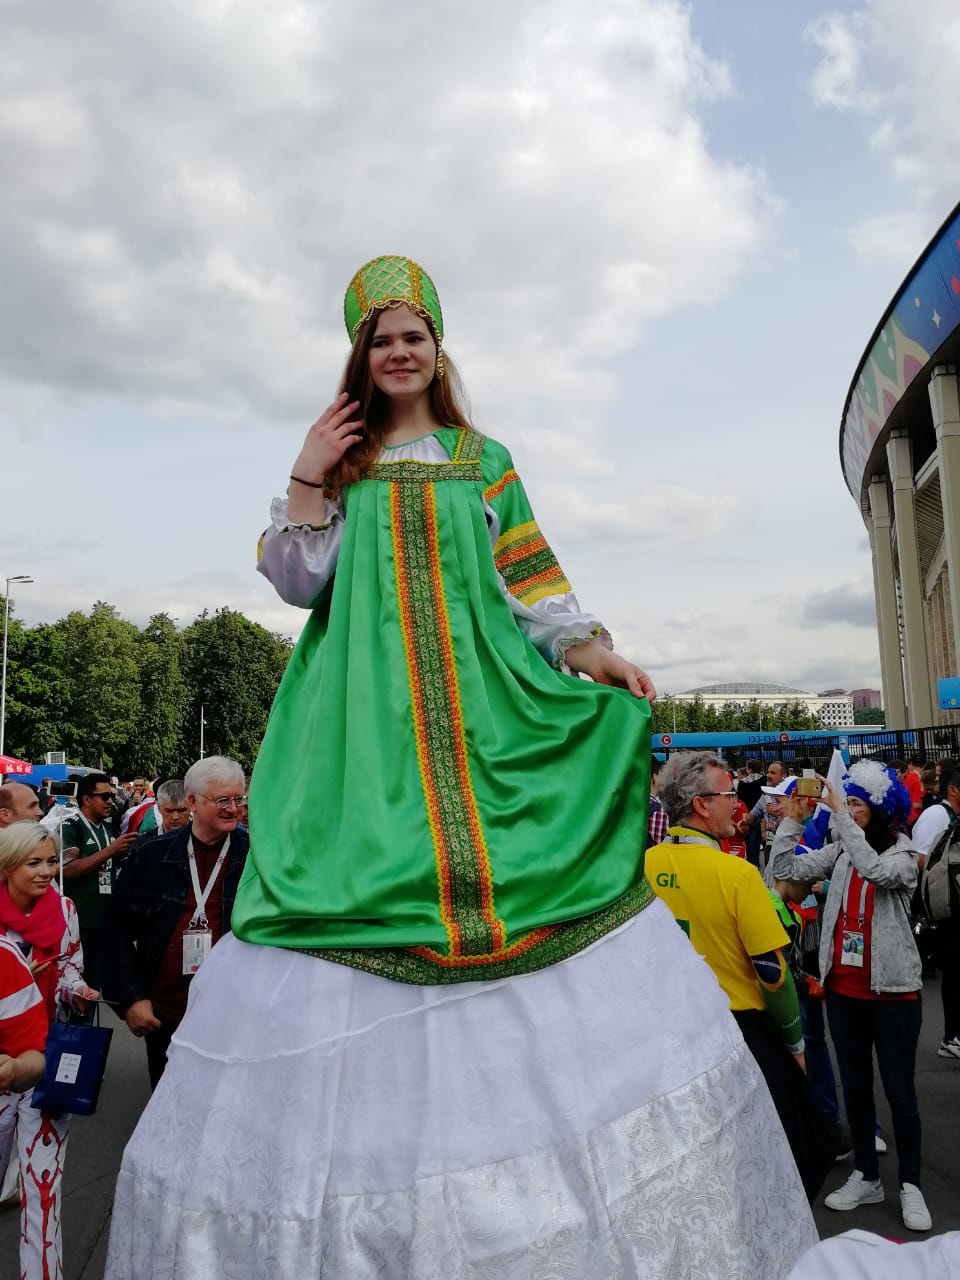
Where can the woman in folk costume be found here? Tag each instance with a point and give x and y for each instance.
(454, 1034)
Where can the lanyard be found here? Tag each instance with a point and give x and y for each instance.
(199, 916)
(694, 839)
(865, 885)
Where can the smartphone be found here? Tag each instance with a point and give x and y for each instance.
(63, 789)
(809, 785)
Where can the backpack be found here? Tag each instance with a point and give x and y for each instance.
(940, 878)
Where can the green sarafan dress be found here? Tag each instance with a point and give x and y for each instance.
(437, 799)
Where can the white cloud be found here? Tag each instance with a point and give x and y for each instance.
(188, 190)
(194, 188)
(900, 74)
(838, 79)
(889, 239)
(850, 603)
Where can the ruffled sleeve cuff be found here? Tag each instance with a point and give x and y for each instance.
(300, 559)
(557, 623)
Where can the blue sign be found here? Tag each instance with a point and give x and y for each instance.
(949, 693)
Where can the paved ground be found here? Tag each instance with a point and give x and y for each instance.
(96, 1145)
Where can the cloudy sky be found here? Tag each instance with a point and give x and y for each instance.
(662, 234)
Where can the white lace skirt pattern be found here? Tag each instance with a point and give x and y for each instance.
(599, 1118)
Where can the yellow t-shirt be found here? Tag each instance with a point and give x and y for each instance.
(723, 906)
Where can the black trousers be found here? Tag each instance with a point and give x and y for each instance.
(892, 1027)
(807, 1130)
(754, 844)
(158, 1042)
(947, 953)
(90, 942)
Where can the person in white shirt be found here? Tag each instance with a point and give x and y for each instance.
(927, 830)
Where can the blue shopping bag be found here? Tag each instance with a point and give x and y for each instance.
(76, 1055)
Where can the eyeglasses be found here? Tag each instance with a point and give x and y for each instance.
(102, 795)
(224, 803)
(725, 795)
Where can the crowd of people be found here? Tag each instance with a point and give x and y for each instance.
(834, 936)
(119, 931)
(442, 1021)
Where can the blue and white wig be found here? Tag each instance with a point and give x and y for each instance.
(879, 787)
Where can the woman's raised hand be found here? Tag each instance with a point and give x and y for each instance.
(333, 433)
(830, 797)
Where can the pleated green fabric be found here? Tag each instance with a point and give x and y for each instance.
(433, 801)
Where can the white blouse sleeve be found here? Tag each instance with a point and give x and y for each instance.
(553, 623)
(70, 965)
(300, 559)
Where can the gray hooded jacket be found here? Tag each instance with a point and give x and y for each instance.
(894, 959)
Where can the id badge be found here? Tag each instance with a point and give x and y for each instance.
(103, 879)
(196, 948)
(851, 949)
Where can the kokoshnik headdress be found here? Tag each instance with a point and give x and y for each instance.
(393, 282)
(879, 787)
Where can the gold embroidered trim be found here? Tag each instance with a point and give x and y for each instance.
(469, 446)
(423, 967)
(408, 469)
(464, 875)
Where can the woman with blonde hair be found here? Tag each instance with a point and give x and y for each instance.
(43, 926)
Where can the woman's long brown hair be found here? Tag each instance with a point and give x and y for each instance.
(446, 405)
(880, 832)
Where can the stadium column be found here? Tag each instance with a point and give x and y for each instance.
(945, 404)
(888, 626)
(900, 462)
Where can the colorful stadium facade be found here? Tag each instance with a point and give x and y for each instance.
(900, 453)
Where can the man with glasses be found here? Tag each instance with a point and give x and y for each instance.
(92, 850)
(726, 911)
(173, 902)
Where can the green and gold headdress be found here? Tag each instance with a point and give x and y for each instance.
(391, 282)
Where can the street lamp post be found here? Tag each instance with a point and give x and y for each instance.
(17, 577)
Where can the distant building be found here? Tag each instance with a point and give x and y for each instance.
(866, 699)
(833, 709)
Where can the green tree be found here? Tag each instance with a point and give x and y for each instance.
(15, 703)
(163, 698)
(869, 715)
(100, 662)
(232, 667)
(793, 715)
(730, 717)
(39, 694)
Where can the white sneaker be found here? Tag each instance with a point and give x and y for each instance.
(916, 1215)
(949, 1048)
(880, 1145)
(856, 1191)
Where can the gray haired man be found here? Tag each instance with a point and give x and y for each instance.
(172, 903)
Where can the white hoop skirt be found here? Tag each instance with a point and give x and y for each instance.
(599, 1118)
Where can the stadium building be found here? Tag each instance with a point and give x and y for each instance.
(900, 453)
(832, 710)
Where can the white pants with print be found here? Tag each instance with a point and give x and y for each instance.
(42, 1144)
